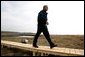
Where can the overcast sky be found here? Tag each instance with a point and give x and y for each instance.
(64, 17)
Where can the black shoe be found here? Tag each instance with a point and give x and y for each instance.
(35, 46)
(53, 46)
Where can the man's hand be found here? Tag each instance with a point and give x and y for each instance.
(47, 23)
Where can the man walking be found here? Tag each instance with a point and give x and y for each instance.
(42, 27)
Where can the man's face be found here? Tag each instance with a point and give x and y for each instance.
(45, 8)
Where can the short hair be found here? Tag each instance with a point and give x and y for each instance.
(45, 6)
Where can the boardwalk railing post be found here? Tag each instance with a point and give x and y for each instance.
(34, 53)
(41, 54)
(1, 46)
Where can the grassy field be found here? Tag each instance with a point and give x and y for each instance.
(69, 41)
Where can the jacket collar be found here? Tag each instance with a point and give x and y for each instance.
(44, 12)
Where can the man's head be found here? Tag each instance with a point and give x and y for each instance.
(45, 7)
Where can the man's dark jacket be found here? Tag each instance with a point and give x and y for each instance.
(42, 18)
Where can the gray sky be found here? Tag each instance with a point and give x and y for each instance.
(64, 17)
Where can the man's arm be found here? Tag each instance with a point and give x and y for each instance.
(42, 18)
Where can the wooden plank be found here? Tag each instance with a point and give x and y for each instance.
(44, 49)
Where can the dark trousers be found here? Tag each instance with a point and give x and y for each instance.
(42, 28)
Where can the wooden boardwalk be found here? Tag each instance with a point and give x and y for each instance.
(44, 50)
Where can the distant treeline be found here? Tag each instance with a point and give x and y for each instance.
(11, 34)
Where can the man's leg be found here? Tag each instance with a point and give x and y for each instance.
(46, 34)
(35, 38)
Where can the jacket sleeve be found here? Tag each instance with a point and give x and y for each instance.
(42, 18)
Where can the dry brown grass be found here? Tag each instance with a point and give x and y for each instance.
(68, 41)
